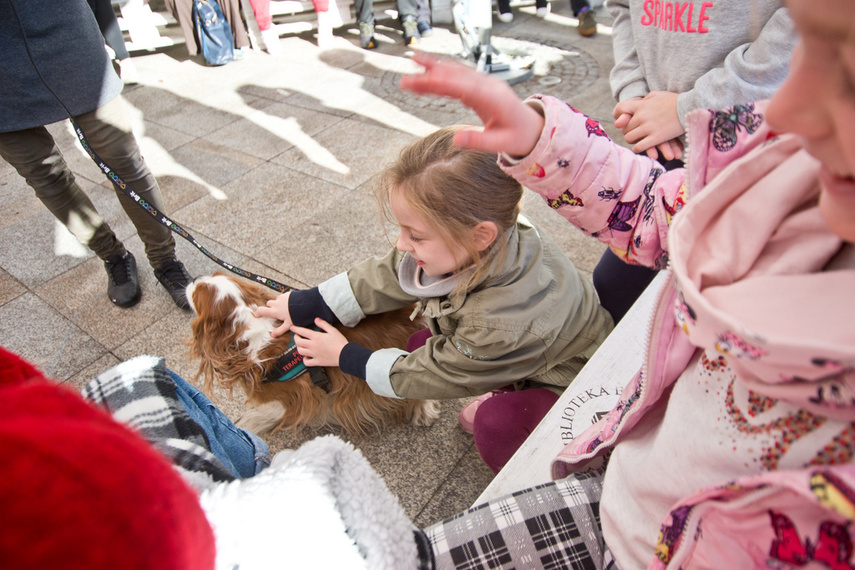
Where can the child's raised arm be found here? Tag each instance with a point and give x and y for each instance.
(510, 125)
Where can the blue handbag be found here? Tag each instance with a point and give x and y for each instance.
(213, 32)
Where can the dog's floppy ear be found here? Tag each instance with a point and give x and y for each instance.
(216, 342)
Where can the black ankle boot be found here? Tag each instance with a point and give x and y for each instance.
(174, 278)
(123, 285)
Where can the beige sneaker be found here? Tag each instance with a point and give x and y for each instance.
(587, 23)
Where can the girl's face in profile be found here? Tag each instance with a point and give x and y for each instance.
(423, 242)
(817, 102)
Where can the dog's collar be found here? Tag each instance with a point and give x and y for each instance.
(290, 365)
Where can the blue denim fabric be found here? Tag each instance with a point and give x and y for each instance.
(242, 452)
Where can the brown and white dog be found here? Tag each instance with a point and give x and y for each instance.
(236, 349)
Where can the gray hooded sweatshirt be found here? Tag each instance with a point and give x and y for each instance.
(713, 53)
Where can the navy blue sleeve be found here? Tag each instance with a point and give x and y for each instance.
(353, 359)
(307, 304)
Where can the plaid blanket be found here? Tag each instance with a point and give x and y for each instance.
(552, 526)
(140, 392)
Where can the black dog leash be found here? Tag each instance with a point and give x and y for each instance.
(162, 218)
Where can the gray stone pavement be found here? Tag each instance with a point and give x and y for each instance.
(269, 162)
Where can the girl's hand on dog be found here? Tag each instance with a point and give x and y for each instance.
(277, 309)
(319, 348)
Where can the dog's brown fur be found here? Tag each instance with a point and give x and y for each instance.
(230, 356)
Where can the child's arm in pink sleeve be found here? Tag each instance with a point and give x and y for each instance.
(623, 199)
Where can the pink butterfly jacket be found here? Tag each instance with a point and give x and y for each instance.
(732, 447)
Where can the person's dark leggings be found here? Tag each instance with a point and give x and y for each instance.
(618, 283)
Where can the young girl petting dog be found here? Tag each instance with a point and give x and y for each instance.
(733, 447)
(506, 309)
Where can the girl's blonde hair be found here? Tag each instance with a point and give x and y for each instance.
(455, 189)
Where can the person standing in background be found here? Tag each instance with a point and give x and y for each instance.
(674, 59)
(182, 11)
(55, 67)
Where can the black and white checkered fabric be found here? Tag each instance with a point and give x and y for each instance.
(551, 526)
(140, 393)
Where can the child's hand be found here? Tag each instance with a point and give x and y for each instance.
(319, 348)
(510, 126)
(278, 309)
(651, 123)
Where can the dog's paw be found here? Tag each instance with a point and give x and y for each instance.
(425, 414)
(261, 418)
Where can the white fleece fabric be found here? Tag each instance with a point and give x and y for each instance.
(320, 506)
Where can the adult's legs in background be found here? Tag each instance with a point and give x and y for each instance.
(37, 159)
(364, 11)
(261, 11)
(108, 131)
(408, 12)
(182, 11)
(269, 35)
(231, 10)
(423, 17)
(579, 5)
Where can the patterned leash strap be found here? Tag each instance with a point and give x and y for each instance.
(162, 218)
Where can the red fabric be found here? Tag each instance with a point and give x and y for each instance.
(81, 491)
(261, 11)
(503, 422)
(418, 339)
(14, 369)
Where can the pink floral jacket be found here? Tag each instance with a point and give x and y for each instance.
(746, 259)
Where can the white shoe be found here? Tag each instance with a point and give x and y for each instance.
(542, 12)
(128, 72)
(506, 17)
(271, 41)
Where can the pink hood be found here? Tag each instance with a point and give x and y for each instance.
(738, 275)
